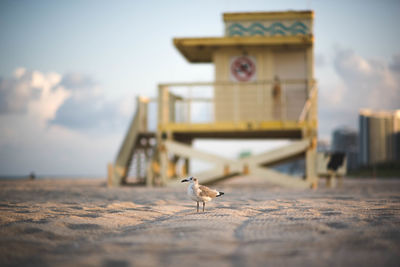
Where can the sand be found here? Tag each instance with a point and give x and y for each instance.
(83, 223)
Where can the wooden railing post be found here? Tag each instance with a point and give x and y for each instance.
(163, 105)
(142, 104)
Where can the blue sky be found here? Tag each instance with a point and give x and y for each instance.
(96, 56)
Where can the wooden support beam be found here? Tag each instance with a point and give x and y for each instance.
(279, 178)
(187, 151)
(204, 176)
(149, 175)
(278, 154)
(225, 167)
(209, 176)
(110, 174)
(163, 164)
(311, 164)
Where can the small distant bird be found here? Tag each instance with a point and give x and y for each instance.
(200, 193)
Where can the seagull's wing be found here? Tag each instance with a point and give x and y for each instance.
(207, 192)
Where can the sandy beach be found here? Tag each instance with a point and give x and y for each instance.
(84, 223)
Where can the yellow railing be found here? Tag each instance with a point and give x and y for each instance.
(222, 102)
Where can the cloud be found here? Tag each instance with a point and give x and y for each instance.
(87, 108)
(58, 124)
(368, 83)
(31, 92)
(362, 83)
(87, 113)
(395, 63)
(73, 101)
(77, 81)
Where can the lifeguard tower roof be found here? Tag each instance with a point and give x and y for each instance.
(261, 29)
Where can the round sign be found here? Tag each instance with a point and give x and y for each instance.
(243, 68)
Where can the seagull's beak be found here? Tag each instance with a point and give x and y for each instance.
(184, 180)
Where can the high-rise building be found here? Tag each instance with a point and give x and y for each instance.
(379, 136)
(345, 140)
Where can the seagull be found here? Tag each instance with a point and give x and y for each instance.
(200, 193)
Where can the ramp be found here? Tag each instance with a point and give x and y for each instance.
(137, 129)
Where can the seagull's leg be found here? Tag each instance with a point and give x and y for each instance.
(197, 206)
(203, 205)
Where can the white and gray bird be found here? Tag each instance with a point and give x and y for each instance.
(200, 193)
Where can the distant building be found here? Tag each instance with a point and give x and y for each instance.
(379, 136)
(345, 140)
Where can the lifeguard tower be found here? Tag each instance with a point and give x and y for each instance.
(264, 88)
